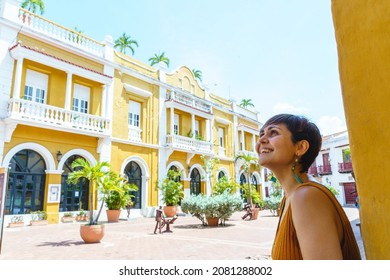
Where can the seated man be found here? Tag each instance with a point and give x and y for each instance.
(248, 213)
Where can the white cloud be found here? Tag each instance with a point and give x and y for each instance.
(330, 124)
(286, 108)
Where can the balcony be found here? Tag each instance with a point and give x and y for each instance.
(345, 167)
(245, 152)
(41, 25)
(313, 171)
(46, 116)
(188, 100)
(187, 144)
(134, 134)
(324, 169)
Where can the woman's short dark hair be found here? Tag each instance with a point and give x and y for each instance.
(301, 129)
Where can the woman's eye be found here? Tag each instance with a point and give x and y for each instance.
(273, 132)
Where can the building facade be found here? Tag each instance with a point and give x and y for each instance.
(65, 95)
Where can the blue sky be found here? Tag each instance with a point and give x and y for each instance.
(280, 53)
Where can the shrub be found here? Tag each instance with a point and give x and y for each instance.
(38, 215)
(221, 206)
(224, 184)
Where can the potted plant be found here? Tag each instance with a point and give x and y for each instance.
(92, 232)
(38, 218)
(81, 215)
(16, 221)
(67, 217)
(171, 192)
(255, 198)
(117, 195)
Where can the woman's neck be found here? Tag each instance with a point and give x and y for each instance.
(289, 182)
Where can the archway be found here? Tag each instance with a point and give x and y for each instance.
(195, 182)
(134, 176)
(26, 183)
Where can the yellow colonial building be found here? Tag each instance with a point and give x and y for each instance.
(64, 96)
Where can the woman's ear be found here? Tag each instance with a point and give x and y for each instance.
(302, 147)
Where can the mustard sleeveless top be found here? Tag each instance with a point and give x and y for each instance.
(286, 245)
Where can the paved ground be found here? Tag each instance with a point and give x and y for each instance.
(134, 240)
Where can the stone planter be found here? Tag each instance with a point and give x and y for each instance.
(39, 223)
(170, 211)
(15, 224)
(212, 221)
(113, 216)
(67, 219)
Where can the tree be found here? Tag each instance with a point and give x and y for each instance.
(125, 42)
(197, 74)
(157, 58)
(247, 162)
(246, 103)
(33, 6)
(95, 175)
(209, 165)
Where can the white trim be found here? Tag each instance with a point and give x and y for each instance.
(222, 121)
(41, 150)
(85, 154)
(138, 91)
(179, 166)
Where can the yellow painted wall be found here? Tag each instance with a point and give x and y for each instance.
(119, 154)
(57, 52)
(362, 31)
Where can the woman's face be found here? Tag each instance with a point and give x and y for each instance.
(275, 147)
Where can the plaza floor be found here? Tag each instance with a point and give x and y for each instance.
(134, 239)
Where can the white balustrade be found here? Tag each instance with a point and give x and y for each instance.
(189, 144)
(42, 25)
(134, 134)
(50, 115)
(190, 100)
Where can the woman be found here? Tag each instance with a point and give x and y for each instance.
(312, 223)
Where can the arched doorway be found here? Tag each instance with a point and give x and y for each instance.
(195, 182)
(26, 183)
(73, 197)
(134, 176)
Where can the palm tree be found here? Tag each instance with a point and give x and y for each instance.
(197, 74)
(247, 161)
(246, 103)
(33, 5)
(157, 58)
(125, 42)
(94, 174)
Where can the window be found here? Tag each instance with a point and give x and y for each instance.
(81, 95)
(221, 136)
(134, 113)
(176, 125)
(36, 86)
(196, 128)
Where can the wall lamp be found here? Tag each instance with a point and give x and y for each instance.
(59, 156)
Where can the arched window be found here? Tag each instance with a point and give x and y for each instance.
(174, 168)
(134, 176)
(195, 182)
(73, 197)
(221, 174)
(26, 183)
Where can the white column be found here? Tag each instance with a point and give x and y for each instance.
(18, 78)
(104, 101)
(172, 112)
(242, 140)
(68, 94)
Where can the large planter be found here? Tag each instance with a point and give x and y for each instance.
(113, 215)
(212, 221)
(170, 211)
(255, 213)
(92, 233)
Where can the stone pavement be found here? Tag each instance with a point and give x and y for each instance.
(134, 240)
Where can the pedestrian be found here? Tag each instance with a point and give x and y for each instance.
(312, 223)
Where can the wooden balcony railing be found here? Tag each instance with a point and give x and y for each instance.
(324, 169)
(345, 167)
